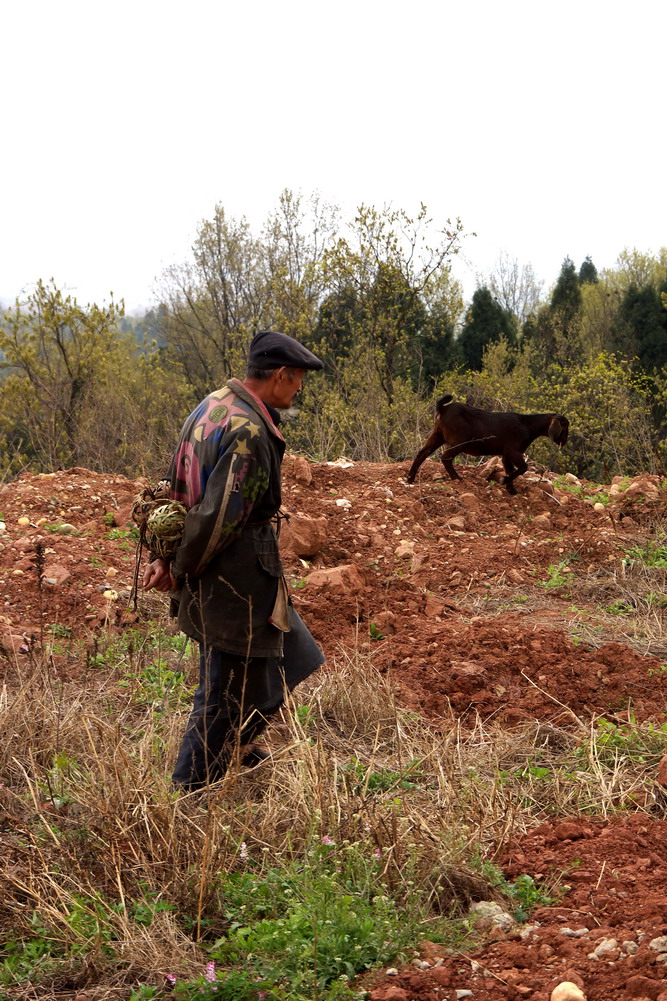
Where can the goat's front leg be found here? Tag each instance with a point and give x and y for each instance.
(514, 467)
(434, 440)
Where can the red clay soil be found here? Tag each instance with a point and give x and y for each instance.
(617, 871)
(465, 542)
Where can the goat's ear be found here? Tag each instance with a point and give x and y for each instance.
(554, 429)
(558, 430)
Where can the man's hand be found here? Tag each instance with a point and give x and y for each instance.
(158, 575)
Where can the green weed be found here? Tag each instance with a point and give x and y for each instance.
(156, 683)
(361, 779)
(305, 715)
(619, 607)
(312, 926)
(632, 741)
(557, 575)
(652, 554)
(124, 533)
(58, 629)
(524, 893)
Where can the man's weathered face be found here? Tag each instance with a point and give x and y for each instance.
(285, 384)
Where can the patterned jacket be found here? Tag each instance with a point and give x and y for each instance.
(226, 470)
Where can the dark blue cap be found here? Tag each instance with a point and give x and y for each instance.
(269, 349)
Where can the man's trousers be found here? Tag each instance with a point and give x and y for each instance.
(235, 699)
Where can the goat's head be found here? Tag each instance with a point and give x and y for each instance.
(558, 429)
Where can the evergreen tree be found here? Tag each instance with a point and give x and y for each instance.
(640, 329)
(566, 296)
(588, 273)
(486, 322)
(559, 326)
(340, 314)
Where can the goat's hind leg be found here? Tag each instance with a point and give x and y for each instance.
(514, 467)
(448, 456)
(434, 440)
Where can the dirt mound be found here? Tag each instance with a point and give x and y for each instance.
(607, 933)
(410, 570)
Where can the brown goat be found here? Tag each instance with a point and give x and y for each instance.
(482, 432)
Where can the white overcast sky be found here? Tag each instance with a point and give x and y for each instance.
(541, 124)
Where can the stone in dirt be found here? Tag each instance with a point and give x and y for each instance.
(396, 994)
(469, 501)
(571, 830)
(567, 991)
(645, 485)
(301, 470)
(338, 580)
(303, 535)
(489, 914)
(658, 944)
(385, 622)
(55, 575)
(493, 469)
(433, 606)
(568, 977)
(122, 516)
(11, 644)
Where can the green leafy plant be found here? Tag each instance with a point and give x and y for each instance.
(557, 575)
(652, 554)
(374, 632)
(313, 925)
(124, 533)
(362, 779)
(527, 895)
(58, 629)
(27, 958)
(156, 682)
(305, 715)
(619, 607)
(634, 741)
(523, 892)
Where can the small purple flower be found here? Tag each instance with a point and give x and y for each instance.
(378, 853)
(243, 850)
(210, 972)
(326, 840)
(171, 979)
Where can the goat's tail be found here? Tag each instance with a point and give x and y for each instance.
(443, 402)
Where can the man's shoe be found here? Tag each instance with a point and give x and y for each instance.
(253, 755)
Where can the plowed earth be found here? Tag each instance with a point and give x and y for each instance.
(470, 621)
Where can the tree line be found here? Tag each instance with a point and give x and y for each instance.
(376, 298)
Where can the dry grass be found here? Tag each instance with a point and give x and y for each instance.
(91, 825)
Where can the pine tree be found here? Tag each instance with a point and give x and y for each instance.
(588, 273)
(486, 322)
